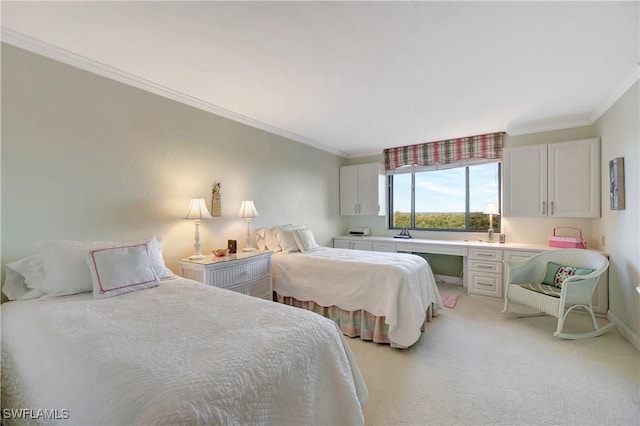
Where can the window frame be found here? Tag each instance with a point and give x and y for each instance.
(467, 219)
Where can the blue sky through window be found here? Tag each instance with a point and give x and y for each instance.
(443, 191)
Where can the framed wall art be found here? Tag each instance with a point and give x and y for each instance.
(616, 183)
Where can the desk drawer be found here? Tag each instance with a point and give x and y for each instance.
(431, 249)
(481, 266)
(485, 254)
(485, 284)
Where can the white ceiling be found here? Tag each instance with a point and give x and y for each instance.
(354, 78)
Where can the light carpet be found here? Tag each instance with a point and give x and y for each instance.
(474, 366)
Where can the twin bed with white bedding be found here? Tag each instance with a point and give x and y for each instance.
(384, 297)
(176, 352)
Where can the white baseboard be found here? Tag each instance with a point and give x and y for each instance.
(447, 279)
(625, 331)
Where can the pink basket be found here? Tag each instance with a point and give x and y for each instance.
(567, 242)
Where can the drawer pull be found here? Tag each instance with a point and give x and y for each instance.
(484, 267)
(485, 255)
(484, 284)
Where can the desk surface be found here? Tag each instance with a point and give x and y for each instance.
(455, 243)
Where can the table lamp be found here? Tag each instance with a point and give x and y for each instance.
(197, 211)
(491, 209)
(248, 210)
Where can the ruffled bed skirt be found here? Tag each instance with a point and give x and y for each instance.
(353, 324)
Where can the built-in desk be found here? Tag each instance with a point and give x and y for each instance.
(482, 261)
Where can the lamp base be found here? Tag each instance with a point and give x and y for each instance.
(197, 257)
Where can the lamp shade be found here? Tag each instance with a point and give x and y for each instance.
(491, 208)
(247, 209)
(198, 209)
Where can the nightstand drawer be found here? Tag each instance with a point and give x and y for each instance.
(226, 277)
(260, 288)
(248, 273)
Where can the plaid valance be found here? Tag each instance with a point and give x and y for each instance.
(488, 147)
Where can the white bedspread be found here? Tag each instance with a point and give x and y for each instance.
(181, 353)
(398, 286)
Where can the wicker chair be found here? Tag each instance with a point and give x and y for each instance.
(525, 286)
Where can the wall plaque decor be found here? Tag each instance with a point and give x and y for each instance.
(616, 183)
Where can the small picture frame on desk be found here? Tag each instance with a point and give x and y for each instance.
(232, 245)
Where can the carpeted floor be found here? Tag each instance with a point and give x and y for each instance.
(473, 366)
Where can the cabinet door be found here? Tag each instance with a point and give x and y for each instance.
(349, 190)
(386, 247)
(362, 245)
(574, 177)
(525, 181)
(370, 189)
(344, 244)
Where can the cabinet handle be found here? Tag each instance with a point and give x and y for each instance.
(551, 208)
(544, 207)
(484, 267)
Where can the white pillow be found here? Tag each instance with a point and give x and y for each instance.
(305, 240)
(271, 241)
(15, 287)
(259, 234)
(284, 234)
(118, 270)
(28, 272)
(66, 268)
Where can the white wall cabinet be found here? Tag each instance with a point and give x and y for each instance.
(554, 180)
(362, 190)
(352, 244)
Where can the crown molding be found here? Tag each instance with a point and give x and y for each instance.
(545, 126)
(629, 80)
(56, 53)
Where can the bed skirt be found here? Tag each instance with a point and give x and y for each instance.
(352, 323)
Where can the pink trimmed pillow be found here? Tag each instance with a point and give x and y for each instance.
(66, 269)
(118, 270)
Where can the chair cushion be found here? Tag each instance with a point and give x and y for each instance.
(556, 274)
(549, 290)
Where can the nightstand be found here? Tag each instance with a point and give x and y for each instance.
(247, 272)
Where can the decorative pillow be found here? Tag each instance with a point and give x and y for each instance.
(305, 240)
(271, 241)
(66, 269)
(259, 235)
(118, 270)
(284, 234)
(556, 274)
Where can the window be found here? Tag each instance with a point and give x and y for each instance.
(448, 199)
